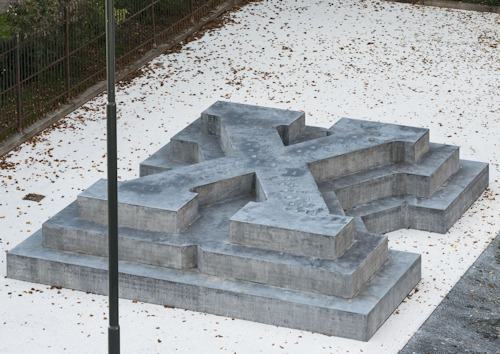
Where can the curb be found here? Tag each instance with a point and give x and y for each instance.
(453, 5)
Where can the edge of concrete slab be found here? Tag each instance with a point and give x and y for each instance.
(356, 318)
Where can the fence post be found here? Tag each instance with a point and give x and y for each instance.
(191, 11)
(18, 85)
(66, 48)
(153, 21)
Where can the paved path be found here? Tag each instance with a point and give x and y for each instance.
(468, 319)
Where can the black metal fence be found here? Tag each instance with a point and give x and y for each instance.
(42, 70)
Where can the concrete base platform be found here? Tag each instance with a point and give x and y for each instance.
(357, 318)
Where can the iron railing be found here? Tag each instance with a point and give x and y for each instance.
(41, 71)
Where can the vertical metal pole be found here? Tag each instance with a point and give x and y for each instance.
(153, 22)
(66, 41)
(18, 86)
(114, 328)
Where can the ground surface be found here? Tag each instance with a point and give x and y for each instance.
(390, 62)
(468, 319)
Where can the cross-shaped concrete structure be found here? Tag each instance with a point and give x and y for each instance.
(250, 213)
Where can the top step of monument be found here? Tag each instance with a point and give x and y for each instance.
(243, 130)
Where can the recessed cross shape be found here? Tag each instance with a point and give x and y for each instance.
(250, 213)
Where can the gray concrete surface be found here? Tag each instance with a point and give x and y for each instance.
(468, 319)
(250, 213)
(356, 318)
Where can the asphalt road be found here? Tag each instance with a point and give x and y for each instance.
(468, 319)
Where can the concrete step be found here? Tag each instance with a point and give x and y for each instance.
(192, 145)
(341, 277)
(267, 226)
(421, 180)
(189, 146)
(409, 144)
(160, 161)
(142, 204)
(66, 232)
(356, 318)
(437, 213)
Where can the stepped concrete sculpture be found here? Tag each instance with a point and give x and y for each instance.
(249, 213)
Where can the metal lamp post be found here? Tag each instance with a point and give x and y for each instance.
(114, 328)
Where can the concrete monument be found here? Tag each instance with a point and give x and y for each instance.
(250, 213)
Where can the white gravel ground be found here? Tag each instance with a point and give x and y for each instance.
(382, 61)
